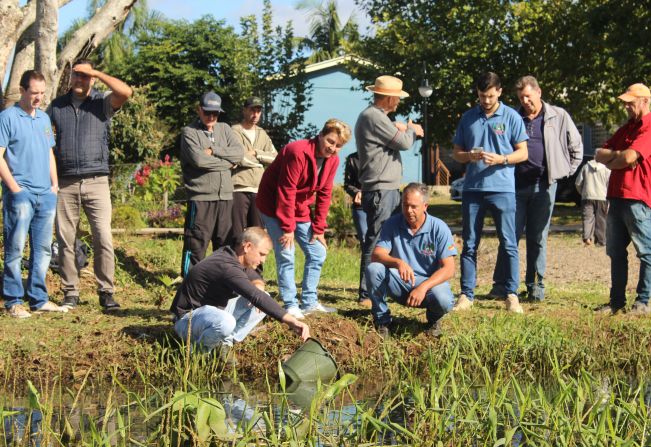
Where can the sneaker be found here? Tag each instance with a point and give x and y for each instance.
(51, 307)
(295, 312)
(383, 331)
(107, 302)
(435, 330)
(365, 303)
(463, 303)
(607, 309)
(640, 308)
(18, 311)
(319, 308)
(512, 304)
(70, 302)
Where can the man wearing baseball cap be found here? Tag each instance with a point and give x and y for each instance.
(259, 152)
(628, 155)
(209, 150)
(379, 143)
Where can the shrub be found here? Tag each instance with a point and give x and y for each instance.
(127, 217)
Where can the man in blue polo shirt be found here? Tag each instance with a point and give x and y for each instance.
(412, 262)
(29, 195)
(491, 138)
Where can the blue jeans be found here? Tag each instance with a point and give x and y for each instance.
(315, 256)
(383, 281)
(628, 221)
(212, 326)
(474, 205)
(533, 213)
(26, 213)
(378, 205)
(359, 219)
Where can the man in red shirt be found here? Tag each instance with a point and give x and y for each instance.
(628, 155)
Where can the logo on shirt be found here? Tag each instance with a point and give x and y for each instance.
(428, 250)
(451, 247)
(48, 131)
(499, 128)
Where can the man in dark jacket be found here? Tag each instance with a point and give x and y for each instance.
(217, 298)
(81, 119)
(209, 150)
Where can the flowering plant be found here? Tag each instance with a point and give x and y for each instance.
(159, 178)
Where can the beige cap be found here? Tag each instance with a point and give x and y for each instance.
(635, 91)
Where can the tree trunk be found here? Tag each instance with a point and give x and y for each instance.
(47, 20)
(89, 36)
(23, 60)
(15, 21)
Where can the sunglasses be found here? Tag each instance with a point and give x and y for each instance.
(210, 113)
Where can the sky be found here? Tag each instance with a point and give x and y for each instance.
(229, 10)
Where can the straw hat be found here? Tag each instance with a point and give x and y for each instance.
(388, 86)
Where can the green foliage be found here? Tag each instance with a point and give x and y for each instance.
(583, 53)
(127, 217)
(136, 131)
(158, 179)
(328, 37)
(340, 216)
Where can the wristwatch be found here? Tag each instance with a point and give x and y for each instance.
(506, 160)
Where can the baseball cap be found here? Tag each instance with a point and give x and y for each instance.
(253, 101)
(635, 91)
(211, 102)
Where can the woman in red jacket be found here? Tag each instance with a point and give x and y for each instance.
(301, 175)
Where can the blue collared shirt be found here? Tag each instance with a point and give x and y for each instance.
(424, 250)
(498, 134)
(27, 140)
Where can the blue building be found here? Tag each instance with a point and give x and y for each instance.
(335, 94)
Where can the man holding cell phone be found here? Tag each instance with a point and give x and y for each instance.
(490, 139)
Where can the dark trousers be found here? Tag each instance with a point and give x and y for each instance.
(378, 205)
(595, 213)
(204, 222)
(245, 214)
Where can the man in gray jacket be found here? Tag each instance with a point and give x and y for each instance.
(379, 142)
(555, 151)
(209, 150)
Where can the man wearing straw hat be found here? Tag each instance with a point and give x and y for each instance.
(222, 298)
(628, 155)
(379, 142)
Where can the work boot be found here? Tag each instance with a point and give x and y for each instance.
(364, 302)
(107, 302)
(513, 304)
(463, 303)
(435, 330)
(70, 301)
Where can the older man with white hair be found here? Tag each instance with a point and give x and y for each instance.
(379, 143)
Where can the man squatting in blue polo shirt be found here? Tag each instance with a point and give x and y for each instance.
(491, 138)
(412, 262)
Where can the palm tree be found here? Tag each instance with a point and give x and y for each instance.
(328, 38)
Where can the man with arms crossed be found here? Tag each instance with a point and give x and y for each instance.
(628, 156)
(490, 139)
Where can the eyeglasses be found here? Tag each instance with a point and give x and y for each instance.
(210, 112)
